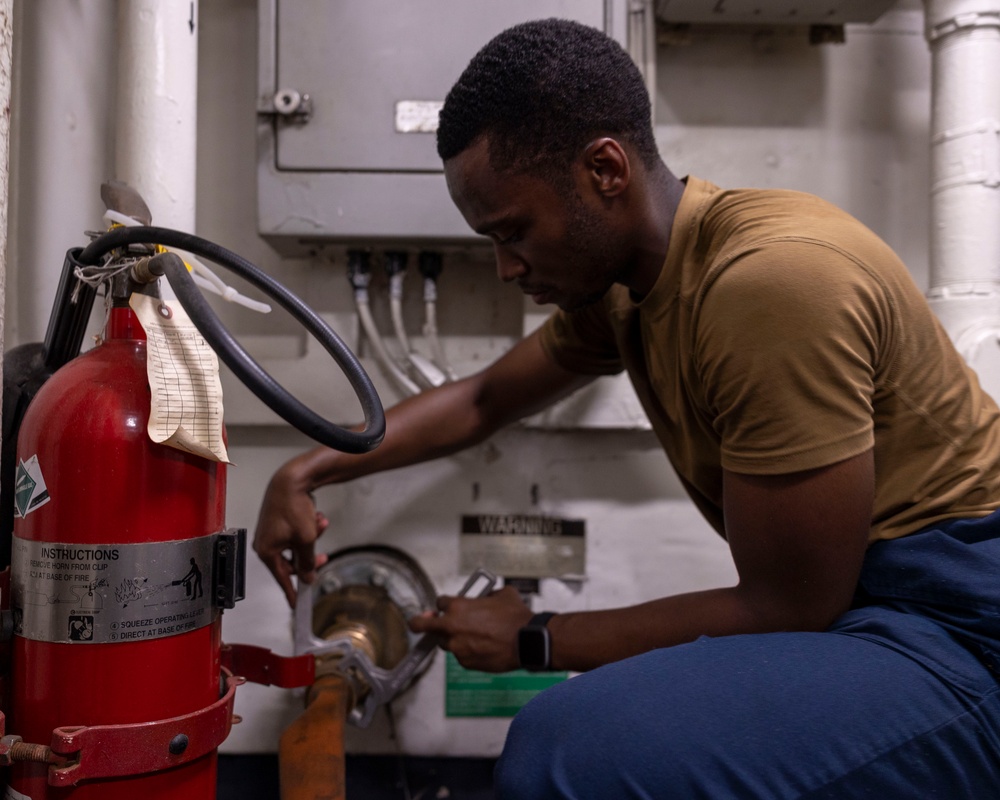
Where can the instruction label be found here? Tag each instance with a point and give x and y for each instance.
(111, 592)
(523, 545)
(469, 693)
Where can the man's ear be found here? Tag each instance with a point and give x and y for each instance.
(607, 166)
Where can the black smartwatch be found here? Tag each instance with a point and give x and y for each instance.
(534, 643)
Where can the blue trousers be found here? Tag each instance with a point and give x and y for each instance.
(900, 698)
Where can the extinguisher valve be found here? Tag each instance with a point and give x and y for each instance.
(151, 269)
(146, 270)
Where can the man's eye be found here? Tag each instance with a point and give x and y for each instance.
(513, 238)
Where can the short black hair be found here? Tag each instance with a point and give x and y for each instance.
(541, 91)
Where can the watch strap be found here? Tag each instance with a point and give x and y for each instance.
(541, 619)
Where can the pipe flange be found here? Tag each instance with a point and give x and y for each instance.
(966, 21)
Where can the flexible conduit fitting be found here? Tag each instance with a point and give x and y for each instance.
(359, 274)
(430, 265)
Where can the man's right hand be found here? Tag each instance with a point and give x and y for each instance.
(287, 530)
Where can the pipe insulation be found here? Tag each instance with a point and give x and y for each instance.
(965, 142)
(6, 75)
(964, 38)
(157, 111)
(62, 130)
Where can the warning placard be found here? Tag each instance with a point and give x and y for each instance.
(524, 545)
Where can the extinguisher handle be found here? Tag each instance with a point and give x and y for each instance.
(70, 313)
(242, 364)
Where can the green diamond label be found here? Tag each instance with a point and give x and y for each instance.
(30, 491)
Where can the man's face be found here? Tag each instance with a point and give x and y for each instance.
(559, 249)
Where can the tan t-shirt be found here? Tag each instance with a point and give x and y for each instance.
(783, 335)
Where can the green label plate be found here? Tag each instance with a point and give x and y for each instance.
(469, 693)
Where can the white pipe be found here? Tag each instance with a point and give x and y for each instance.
(6, 46)
(642, 43)
(964, 37)
(61, 148)
(157, 114)
(965, 141)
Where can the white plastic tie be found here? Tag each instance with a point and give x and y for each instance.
(202, 275)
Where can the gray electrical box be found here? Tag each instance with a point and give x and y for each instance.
(349, 92)
(772, 12)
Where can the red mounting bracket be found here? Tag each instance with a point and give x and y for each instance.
(111, 751)
(260, 665)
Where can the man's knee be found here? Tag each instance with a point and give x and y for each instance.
(522, 773)
(547, 746)
(564, 744)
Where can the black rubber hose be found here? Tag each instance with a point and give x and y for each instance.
(232, 353)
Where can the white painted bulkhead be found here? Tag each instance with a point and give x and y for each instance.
(850, 122)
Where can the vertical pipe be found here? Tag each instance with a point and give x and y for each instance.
(61, 141)
(6, 44)
(965, 45)
(311, 753)
(642, 43)
(156, 129)
(964, 37)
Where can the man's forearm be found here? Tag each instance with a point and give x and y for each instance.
(588, 639)
(432, 424)
(798, 542)
(449, 418)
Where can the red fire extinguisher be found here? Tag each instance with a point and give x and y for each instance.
(120, 561)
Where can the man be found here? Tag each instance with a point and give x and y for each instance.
(814, 409)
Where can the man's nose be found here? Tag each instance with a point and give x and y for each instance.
(509, 266)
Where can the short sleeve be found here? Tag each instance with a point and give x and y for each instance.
(787, 344)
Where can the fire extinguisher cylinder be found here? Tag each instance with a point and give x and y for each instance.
(111, 572)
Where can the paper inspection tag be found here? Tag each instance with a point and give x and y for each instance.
(183, 370)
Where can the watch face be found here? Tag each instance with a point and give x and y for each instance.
(533, 647)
